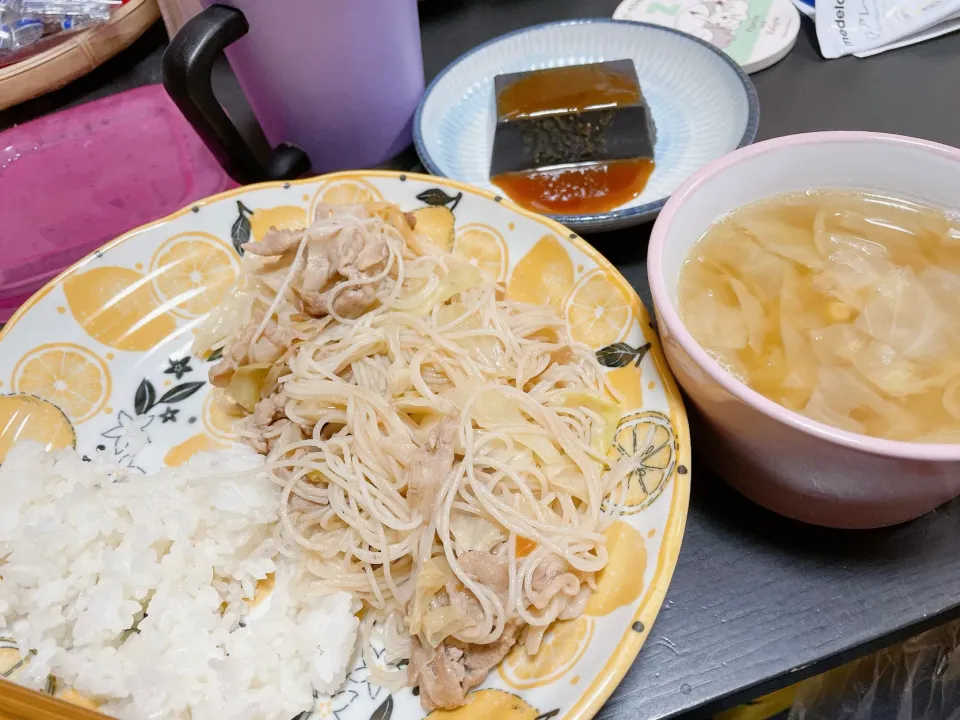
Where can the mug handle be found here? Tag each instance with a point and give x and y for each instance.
(187, 66)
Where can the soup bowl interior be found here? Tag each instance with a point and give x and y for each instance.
(794, 465)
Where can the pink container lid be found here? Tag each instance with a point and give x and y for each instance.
(74, 180)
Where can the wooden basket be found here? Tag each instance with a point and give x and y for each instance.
(76, 55)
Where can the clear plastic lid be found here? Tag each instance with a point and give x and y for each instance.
(74, 180)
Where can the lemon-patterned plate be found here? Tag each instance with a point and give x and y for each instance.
(100, 360)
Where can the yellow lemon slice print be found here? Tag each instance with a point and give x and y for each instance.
(179, 454)
(284, 217)
(71, 377)
(562, 647)
(75, 698)
(115, 307)
(628, 381)
(193, 272)
(24, 417)
(344, 192)
(435, 223)
(216, 420)
(488, 704)
(484, 248)
(621, 581)
(650, 436)
(10, 660)
(543, 276)
(598, 313)
(11, 664)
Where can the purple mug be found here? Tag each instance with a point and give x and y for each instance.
(333, 83)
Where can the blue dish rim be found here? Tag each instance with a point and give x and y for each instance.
(597, 219)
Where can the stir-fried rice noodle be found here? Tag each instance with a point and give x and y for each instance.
(442, 450)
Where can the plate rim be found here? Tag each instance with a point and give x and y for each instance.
(624, 653)
(613, 218)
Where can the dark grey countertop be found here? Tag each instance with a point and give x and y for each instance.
(757, 602)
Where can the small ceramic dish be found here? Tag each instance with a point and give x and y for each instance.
(703, 104)
(787, 462)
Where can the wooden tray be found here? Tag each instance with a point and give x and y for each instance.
(75, 56)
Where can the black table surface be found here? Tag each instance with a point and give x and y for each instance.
(757, 602)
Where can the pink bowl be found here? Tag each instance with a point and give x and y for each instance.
(782, 460)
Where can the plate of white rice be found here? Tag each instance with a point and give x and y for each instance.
(142, 589)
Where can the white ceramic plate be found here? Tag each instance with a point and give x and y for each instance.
(100, 358)
(702, 103)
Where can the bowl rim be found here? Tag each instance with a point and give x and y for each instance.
(590, 221)
(938, 452)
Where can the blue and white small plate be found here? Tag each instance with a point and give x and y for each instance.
(703, 104)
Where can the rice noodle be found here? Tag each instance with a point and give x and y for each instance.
(367, 394)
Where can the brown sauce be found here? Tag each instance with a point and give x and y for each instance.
(577, 190)
(567, 89)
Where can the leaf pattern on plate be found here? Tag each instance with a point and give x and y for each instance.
(385, 711)
(621, 354)
(241, 229)
(145, 397)
(436, 196)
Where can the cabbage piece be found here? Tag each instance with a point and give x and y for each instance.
(737, 253)
(849, 272)
(842, 400)
(603, 434)
(226, 321)
(901, 313)
(399, 379)
(799, 366)
(475, 533)
(715, 324)
(798, 358)
(821, 408)
(460, 277)
(432, 577)
(449, 312)
(246, 385)
(888, 370)
(783, 239)
(894, 226)
(837, 344)
(494, 411)
(568, 478)
(483, 346)
(844, 230)
(540, 445)
(753, 314)
(798, 302)
(944, 288)
(441, 622)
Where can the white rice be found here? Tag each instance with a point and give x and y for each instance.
(89, 552)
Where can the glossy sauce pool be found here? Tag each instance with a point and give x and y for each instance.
(579, 190)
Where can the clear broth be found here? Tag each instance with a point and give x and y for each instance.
(841, 305)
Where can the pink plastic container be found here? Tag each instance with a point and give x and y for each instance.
(71, 181)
